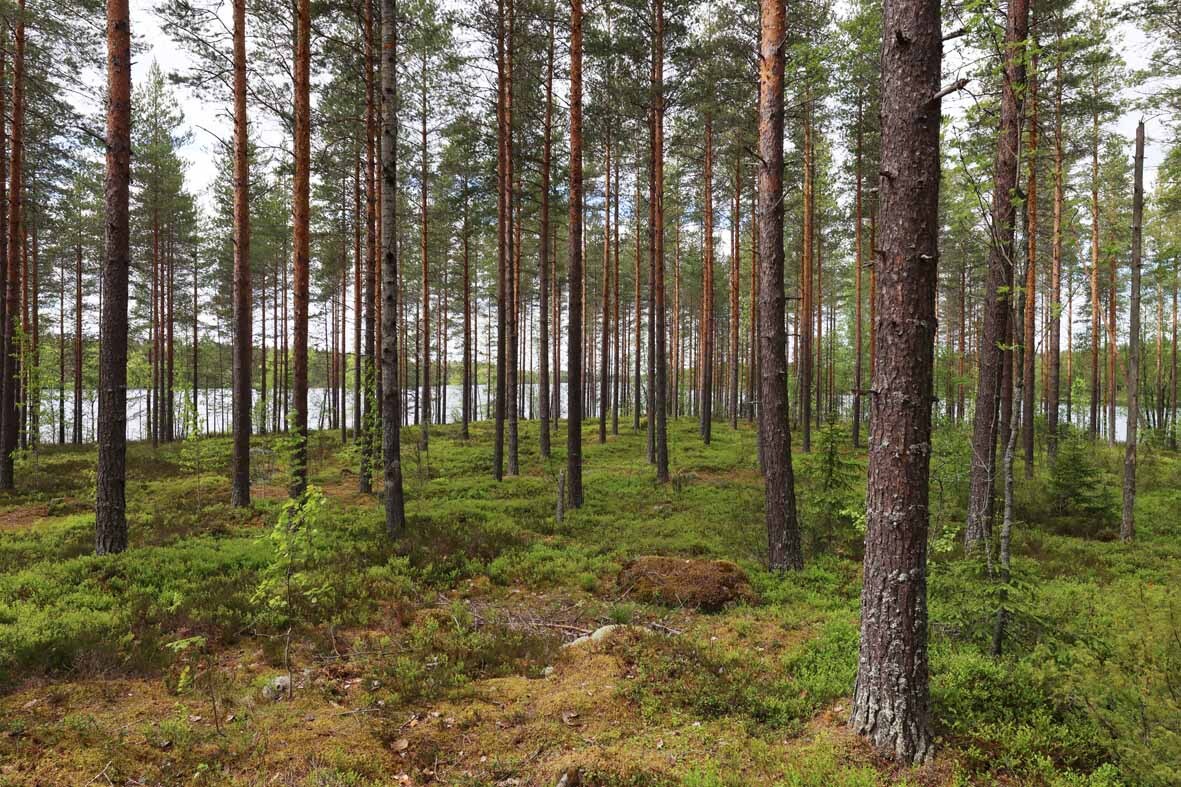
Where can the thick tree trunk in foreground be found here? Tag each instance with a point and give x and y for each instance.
(391, 394)
(783, 535)
(574, 331)
(998, 279)
(1127, 529)
(243, 311)
(110, 513)
(301, 251)
(891, 700)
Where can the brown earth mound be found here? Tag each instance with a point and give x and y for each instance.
(708, 585)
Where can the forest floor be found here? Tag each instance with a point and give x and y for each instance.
(445, 657)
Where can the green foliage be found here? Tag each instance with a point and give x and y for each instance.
(833, 500)
(1080, 500)
(290, 590)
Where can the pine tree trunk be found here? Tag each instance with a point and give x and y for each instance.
(503, 231)
(783, 535)
(424, 435)
(369, 381)
(543, 261)
(605, 339)
(857, 247)
(243, 311)
(1093, 427)
(512, 232)
(300, 238)
(990, 387)
(735, 278)
(660, 400)
(707, 288)
(891, 700)
(1055, 329)
(1127, 529)
(1027, 353)
(76, 437)
(574, 332)
(110, 504)
(805, 357)
(391, 395)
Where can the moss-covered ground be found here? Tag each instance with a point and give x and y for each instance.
(438, 658)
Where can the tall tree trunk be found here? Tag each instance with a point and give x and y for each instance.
(300, 238)
(424, 435)
(543, 261)
(636, 392)
(1112, 347)
(243, 310)
(12, 307)
(805, 357)
(891, 699)
(503, 232)
(468, 397)
(1127, 530)
(660, 400)
(857, 247)
(990, 387)
(605, 354)
(358, 290)
(110, 512)
(619, 329)
(1055, 329)
(391, 395)
(369, 383)
(1093, 427)
(783, 534)
(76, 437)
(1028, 354)
(512, 233)
(707, 288)
(574, 332)
(735, 278)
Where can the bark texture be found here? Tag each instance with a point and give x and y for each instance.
(391, 393)
(110, 510)
(783, 535)
(243, 333)
(995, 330)
(891, 699)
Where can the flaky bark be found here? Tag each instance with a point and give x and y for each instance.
(783, 535)
(110, 504)
(300, 237)
(574, 331)
(391, 394)
(243, 311)
(891, 700)
(659, 403)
